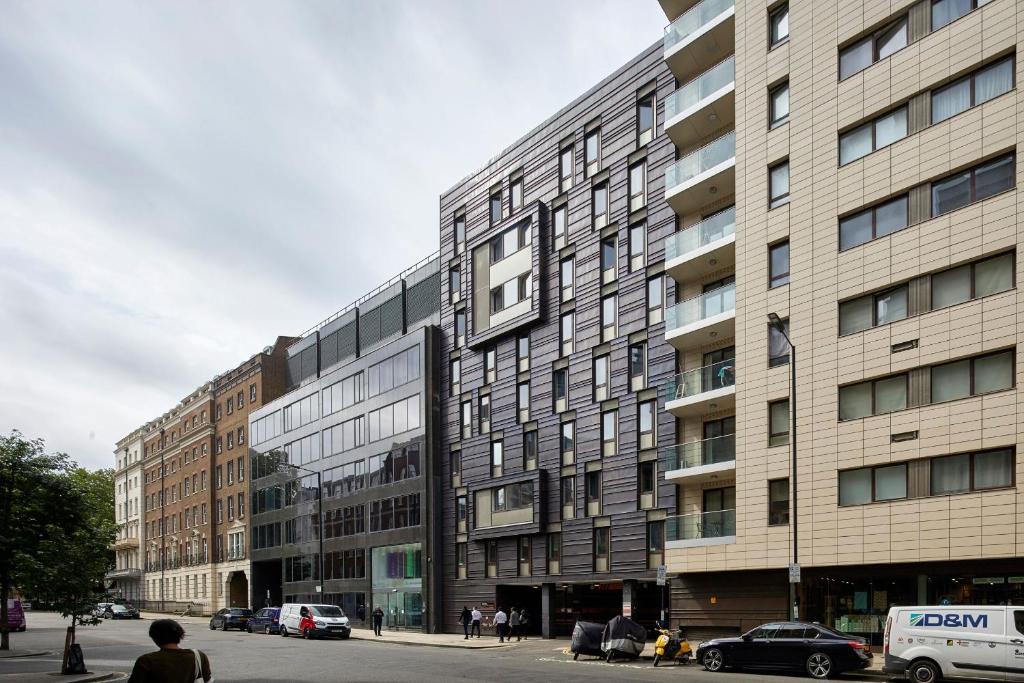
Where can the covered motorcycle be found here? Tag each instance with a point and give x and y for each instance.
(586, 639)
(623, 637)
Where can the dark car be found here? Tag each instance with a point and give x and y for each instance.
(817, 650)
(266, 620)
(117, 611)
(231, 617)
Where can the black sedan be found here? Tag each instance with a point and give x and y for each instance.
(231, 617)
(117, 611)
(817, 650)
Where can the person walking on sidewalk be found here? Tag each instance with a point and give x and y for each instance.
(500, 622)
(378, 620)
(475, 614)
(524, 623)
(170, 664)
(466, 619)
(514, 623)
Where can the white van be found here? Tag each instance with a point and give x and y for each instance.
(313, 621)
(957, 641)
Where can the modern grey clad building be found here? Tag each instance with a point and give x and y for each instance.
(359, 424)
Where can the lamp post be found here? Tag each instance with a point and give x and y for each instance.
(779, 326)
(319, 514)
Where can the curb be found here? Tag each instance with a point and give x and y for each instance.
(27, 653)
(94, 677)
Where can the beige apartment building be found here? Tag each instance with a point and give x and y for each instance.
(850, 167)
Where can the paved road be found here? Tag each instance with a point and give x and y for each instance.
(256, 658)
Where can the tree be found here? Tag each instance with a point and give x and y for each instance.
(29, 506)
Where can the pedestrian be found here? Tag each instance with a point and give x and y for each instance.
(361, 612)
(475, 614)
(466, 619)
(513, 622)
(378, 620)
(500, 621)
(170, 664)
(524, 623)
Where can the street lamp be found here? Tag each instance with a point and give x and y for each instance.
(320, 515)
(777, 324)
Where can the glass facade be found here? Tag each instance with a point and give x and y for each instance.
(397, 584)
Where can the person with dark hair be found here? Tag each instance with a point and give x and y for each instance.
(466, 618)
(170, 664)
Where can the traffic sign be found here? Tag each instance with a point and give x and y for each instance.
(794, 572)
(661, 575)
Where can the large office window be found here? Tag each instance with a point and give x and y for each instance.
(972, 281)
(393, 372)
(345, 393)
(876, 134)
(972, 376)
(345, 436)
(878, 221)
(970, 91)
(872, 48)
(947, 11)
(395, 418)
(778, 184)
(299, 413)
(873, 310)
(973, 185)
(972, 472)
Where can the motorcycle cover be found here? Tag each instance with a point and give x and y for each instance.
(623, 636)
(586, 638)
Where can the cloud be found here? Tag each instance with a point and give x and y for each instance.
(184, 181)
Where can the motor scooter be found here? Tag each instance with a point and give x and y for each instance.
(671, 645)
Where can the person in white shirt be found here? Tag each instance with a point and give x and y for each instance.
(476, 616)
(500, 620)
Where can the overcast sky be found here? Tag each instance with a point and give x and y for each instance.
(181, 182)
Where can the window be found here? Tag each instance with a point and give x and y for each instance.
(523, 401)
(655, 300)
(869, 224)
(778, 104)
(874, 47)
(560, 390)
(608, 311)
(778, 264)
(647, 423)
(874, 135)
(568, 442)
(567, 497)
(510, 241)
(497, 458)
(561, 225)
(252, 399)
(231, 472)
(490, 365)
(524, 556)
(515, 194)
(873, 310)
(637, 366)
(602, 378)
(231, 409)
(567, 277)
(873, 484)
(462, 558)
(460, 233)
(778, 423)
(778, 501)
(467, 419)
(530, 451)
(565, 169)
(609, 432)
(645, 120)
(874, 397)
(655, 543)
(972, 376)
(973, 185)
(454, 285)
(566, 329)
(240, 437)
(970, 91)
(491, 558)
(231, 441)
(599, 196)
(778, 184)
(637, 186)
(637, 246)
(456, 376)
(523, 352)
(592, 488)
(554, 553)
(608, 259)
(240, 400)
(460, 329)
(485, 414)
(647, 479)
(778, 25)
(396, 418)
(592, 153)
(602, 548)
(948, 11)
(972, 281)
(455, 465)
(495, 207)
(219, 476)
(778, 346)
(972, 472)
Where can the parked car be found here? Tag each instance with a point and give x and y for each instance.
(116, 611)
(15, 615)
(100, 610)
(931, 643)
(815, 649)
(314, 621)
(266, 620)
(231, 617)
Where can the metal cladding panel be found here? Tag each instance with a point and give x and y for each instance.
(369, 327)
(392, 317)
(423, 299)
(348, 342)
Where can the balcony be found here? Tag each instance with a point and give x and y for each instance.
(128, 573)
(701, 249)
(700, 529)
(703, 35)
(703, 106)
(702, 390)
(125, 543)
(699, 461)
(702, 177)
(703, 319)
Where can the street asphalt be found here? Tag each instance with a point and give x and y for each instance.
(256, 658)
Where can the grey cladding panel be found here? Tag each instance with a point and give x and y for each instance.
(423, 299)
(369, 327)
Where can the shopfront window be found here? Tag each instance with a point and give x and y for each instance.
(397, 581)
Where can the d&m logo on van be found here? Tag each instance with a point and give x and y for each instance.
(949, 620)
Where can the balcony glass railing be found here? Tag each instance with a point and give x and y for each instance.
(691, 22)
(711, 229)
(711, 81)
(699, 380)
(701, 525)
(704, 159)
(711, 451)
(707, 305)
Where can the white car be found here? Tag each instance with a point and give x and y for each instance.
(313, 621)
(929, 643)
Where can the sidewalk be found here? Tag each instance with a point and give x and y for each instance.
(55, 676)
(431, 639)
